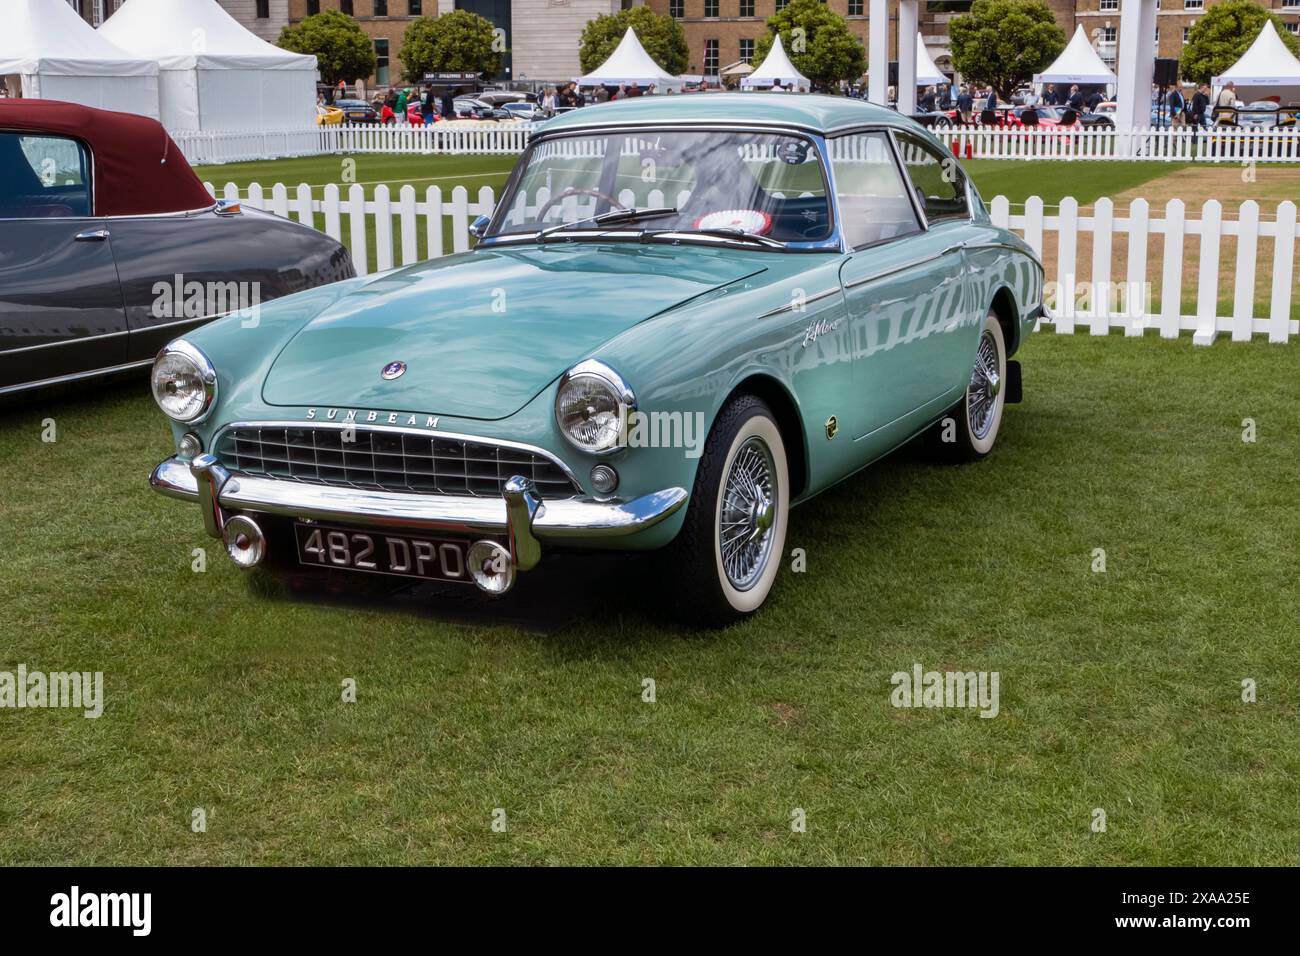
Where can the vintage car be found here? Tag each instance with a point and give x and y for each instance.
(686, 315)
(110, 246)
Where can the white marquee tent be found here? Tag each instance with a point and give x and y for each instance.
(48, 52)
(1267, 68)
(776, 68)
(927, 74)
(214, 74)
(1078, 63)
(630, 65)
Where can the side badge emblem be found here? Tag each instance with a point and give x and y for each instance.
(392, 370)
(832, 427)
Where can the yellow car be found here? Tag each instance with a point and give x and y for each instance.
(329, 116)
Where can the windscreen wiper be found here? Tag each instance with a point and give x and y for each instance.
(604, 218)
(729, 232)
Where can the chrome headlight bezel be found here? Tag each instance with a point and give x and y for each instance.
(203, 369)
(593, 370)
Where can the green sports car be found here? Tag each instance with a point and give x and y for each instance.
(685, 316)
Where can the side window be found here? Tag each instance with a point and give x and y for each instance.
(871, 192)
(43, 177)
(938, 181)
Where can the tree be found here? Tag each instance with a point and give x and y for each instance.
(818, 42)
(456, 42)
(341, 47)
(1002, 43)
(662, 36)
(1222, 34)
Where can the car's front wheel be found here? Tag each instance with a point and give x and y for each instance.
(729, 549)
(971, 426)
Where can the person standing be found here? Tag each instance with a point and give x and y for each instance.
(426, 105)
(448, 106)
(1227, 100)
(400, 107)
(992, 102)
(965, 105)
(1200, 103)
(1177, 106)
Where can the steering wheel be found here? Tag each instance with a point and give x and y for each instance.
(575, 191)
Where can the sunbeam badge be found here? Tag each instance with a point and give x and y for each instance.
(392, 370)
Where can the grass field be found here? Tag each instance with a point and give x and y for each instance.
(1119, 690)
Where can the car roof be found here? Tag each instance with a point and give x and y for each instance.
(812, 111)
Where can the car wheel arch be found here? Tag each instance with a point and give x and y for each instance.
(1003, 305)
(778, 397)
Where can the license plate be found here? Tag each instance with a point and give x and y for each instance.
(398, 554)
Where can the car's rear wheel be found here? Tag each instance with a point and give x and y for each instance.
(970, 428)
(729, 550)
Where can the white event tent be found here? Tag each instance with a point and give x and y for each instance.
(776, 68)
(1078, 63)
(1267, 68)
(630, 65)
(927, 74)
(214, 74)
(48, 52)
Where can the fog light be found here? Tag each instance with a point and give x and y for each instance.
(244, 541)
(191, 446)
(491, 566)
(604, 479)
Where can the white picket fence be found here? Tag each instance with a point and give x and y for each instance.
(1172, 144)
(207, 146)
(1080, 294)
(972, 142)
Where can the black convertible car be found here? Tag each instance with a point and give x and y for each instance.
(110, 247)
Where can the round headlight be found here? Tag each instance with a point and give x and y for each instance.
(184, 382)
(592, 407)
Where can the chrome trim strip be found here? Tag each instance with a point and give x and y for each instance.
(109, 335)
(569, 518)
(809, 300)
(401, 430)
(864, 280)
(74, 377)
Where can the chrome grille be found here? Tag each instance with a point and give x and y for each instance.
(387, 460)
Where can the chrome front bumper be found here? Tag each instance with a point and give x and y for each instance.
(519, 514)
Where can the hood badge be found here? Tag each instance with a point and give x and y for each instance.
(392, 370)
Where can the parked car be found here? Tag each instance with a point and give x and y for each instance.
(1238, 131)
(358, 112)
(697, 334)
(467, 108)
(1047, 117)
(529, 112)
(329, 116)
(110, 246)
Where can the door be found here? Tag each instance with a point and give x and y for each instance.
(904, 289)
(61, 308)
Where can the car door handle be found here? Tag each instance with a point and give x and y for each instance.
(91, 235)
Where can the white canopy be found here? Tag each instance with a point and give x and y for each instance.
(1078, 63)
(776, 68)
(630, 65)
(927, 74)
(1268, 65)
(215, 75)
(57, 56)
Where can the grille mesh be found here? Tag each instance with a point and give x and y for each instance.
(391, 461)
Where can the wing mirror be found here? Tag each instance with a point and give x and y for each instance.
(479, 226)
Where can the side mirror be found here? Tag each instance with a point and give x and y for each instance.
(479, 226)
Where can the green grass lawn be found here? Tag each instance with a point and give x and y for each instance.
(1119, 690)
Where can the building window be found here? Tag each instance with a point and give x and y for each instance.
(381, 61)
(416, 8)
(710, 57)
(345, 6)
(746, 51)
(1187, 31)
(1292, 28)
(710, 8)
(1292, 4)
(747, 8)
(1109, 5)
(780, 4)
(1156, 41)
(1107, 34)
(676, 9)
(381, 8)
(313, 7)
(1193, 4)
(263, 9)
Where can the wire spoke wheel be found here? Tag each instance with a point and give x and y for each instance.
(985, 389)
(748, 514)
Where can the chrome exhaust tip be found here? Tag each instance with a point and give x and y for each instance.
(491, 567)
(244, 541)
